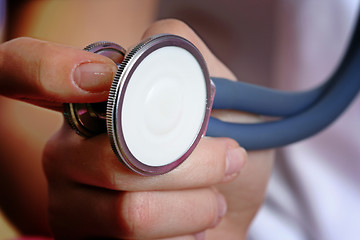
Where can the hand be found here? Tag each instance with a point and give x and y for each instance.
(92, 195)
(41, 73)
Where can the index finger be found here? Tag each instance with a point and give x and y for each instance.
(49, 74)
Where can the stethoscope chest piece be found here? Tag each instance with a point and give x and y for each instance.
(158, 106)
(161, 97)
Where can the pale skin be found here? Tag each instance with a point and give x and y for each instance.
(215, 193)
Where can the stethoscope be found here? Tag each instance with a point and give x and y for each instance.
(160, 101)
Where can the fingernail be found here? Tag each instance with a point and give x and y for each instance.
(94, 77)
(222, 208)
(200, 236)
(235, 160)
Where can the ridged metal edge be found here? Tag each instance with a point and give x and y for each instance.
(112, 99)
(91, 46)
(114, 93)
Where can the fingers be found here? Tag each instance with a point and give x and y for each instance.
(92, 162)
(135, 215)
(176, 27)
(49, 74)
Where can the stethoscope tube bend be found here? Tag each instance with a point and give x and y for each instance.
(304, 113)
(161, 98)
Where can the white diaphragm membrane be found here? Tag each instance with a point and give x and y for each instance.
(164, 106)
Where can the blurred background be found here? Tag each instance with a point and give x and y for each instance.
(262, 42)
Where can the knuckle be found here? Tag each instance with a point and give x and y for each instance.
(210, 209)
(38, 61)
(213, 217)
(35, 61)
(43, 67)
(50, 69)
(136, 218)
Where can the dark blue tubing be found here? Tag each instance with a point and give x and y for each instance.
(261, 100)
(305, 113)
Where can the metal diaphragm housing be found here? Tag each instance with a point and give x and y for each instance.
(158, 106)
(89, 119)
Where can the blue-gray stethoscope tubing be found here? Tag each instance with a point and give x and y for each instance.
(303, 113)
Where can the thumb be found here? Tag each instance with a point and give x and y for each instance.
(48, 74)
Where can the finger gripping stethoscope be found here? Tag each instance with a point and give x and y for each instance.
(161, 97)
